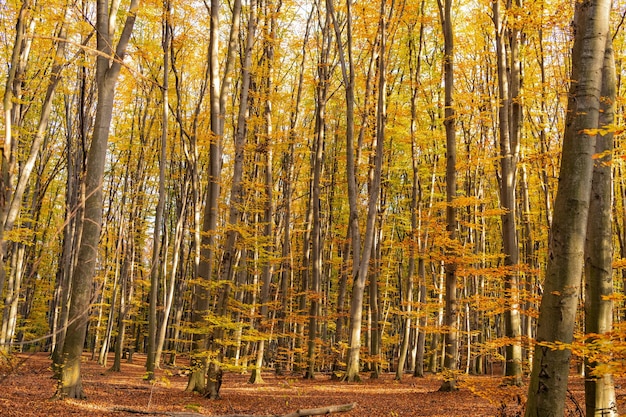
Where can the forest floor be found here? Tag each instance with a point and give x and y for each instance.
(27, 388)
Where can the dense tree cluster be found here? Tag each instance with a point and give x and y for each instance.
(314, 186)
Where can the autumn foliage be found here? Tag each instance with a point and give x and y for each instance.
(276, 204)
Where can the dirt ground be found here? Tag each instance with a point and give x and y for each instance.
(27, 388)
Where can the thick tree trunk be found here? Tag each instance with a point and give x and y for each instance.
(107, 71)
(557, 313)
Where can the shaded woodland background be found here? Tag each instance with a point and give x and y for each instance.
(238, 246)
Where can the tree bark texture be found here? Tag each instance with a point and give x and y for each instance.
(508, 174)
(107, 71)
(451, 303)
(600, 397)
(557, 313)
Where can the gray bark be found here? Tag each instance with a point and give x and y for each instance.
(509, 143)
(600, 397)
(557, 313)
(219, 89)
(451, 304)
(108, 67)
(155, 268)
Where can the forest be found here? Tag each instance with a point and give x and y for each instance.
(322, 188)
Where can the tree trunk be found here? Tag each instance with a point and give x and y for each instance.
(107, 71)
(219, 91)
(508, 124)
(557, 313)
(317, 157)
(74, 194)
(600, 397)
(268, 181)
(126, 298)
(155, 267)
(451, 303)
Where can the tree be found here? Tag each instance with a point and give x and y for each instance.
(219, 89)
(155, 267)
(451, 343)
(108, 66)
(557, 312)
(599, 388)
(317, 161)
(509, 121)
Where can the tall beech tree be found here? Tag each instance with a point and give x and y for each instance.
(108, 66)
(317, 161)
(157, 255)
(600, 397)
(25, 24)
(557, 312)
(451, 312)
(509, 127)
(219, 91)
(347, 72)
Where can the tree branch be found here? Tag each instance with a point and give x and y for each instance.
(298, 413)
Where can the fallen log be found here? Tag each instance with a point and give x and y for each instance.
(298, 413)
(321, 411)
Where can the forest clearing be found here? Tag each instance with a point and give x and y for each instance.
(28, 389)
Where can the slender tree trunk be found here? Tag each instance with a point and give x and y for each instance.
(531, 262)
(126, 296)
(451, 310)
(600, 397)
(423, 321)
(11, 99)
(157, 255)
(557, 313)
(104, 349)
(508, 171)
(170, 285)
(268, 214)
(219, 90)
(288, 172)
(74, 194)
(415, 60)
(317, 158)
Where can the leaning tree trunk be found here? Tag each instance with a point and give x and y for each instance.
(557, 314)
(599, 388)
(107, 72)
